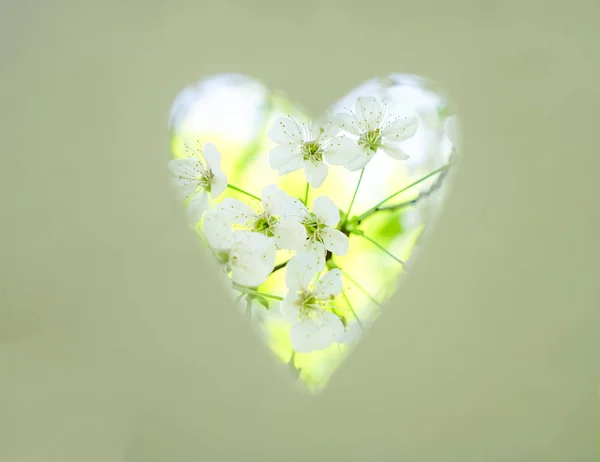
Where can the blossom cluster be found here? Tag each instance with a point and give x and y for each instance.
(244, 237)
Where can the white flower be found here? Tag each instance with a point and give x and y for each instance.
(308, 304)
(375, 130)
(320, 223)
(197, 179)
(249, 257)
(276, 217)
(302, 144)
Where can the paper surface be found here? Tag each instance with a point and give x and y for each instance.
(113, 349)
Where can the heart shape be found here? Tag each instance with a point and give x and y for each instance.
(312, 221)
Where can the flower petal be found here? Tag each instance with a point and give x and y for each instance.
(285, 132)
(289, 307)
(212, 156)
(289, 234)
(348, 122)
(341, 151)
(218, 232)
(401, 129)
(330, 284)
(335, 241)
(198, 204)
(285, 159)
(185, 188)
(274, 198)
(326, 211)
(236, 211)
(394, 151)
(316, 250)
(190, 168)
(305, 336)
(218, 183)
(255, 258)
(369, 112)
(330, 327)
(300, 272)
(360, 161)
(315, 172)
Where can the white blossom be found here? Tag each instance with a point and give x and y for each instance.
(247, 256)
(275, 216)
(197, 177)
(308, 304)
(302, 144)
(320, 225)
(375, 130)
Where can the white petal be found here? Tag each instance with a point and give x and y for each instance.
(316, 172)
(330, 328)
(324, 128)
(341, 151)
(289, 307)
(218, 183)
(335, 241)
(326, 211)
(285, 132)
(289, 234)
(451, 129)
(329, 285)
(394, 151)
(187, 168)
(360, 161)
(198, 204)
(255, 258)
(285, 159)
(185, 188)
(348, 122)
(369, 111)
(291, 207)
(401, 129)
(236, 210)
(274, 198)
(218, 232)
(317, 251)
(212, 156)
(305, 336)
(300, 271)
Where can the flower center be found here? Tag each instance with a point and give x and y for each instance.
(313, 227)
(308, 303)
(264, 224)
(311, 150)
(204, 180)
(371, 139)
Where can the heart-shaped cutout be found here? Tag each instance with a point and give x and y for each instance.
(313, 222)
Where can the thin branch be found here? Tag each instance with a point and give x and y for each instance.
(378, 245)
(392, 208)
(361, 288)
(352, 310)
(240, 190)
(372, 210)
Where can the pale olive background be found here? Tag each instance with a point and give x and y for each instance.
(115, 344)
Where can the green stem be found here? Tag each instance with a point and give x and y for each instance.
(235, 188)
(377, 244)
(372, 210)
(352, 310)
(306, 194)
(256, 292)
(354, 195)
